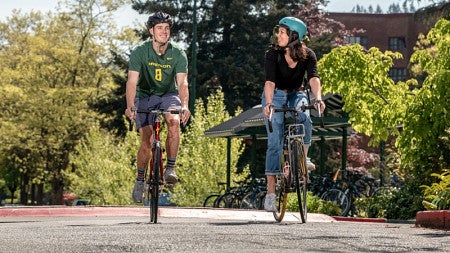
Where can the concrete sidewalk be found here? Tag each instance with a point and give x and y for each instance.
(207, 213)
(428, 219)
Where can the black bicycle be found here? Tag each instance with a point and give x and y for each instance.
(155, 172)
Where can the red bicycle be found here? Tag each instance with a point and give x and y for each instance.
(155, 173)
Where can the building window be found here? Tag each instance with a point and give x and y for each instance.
(397, 74)
(357, 40)
(397, 43)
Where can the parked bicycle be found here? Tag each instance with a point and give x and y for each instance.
(354, 186)
(211, 200)
(155, 171)
(255, 198)
(233, 197)
(294, 174)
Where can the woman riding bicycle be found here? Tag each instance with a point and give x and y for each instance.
(286, 63)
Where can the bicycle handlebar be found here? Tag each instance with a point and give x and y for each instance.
(293, 109)
(134, 111)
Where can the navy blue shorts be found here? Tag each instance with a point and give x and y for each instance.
(165, 102)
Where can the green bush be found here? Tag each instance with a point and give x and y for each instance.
(437, 196)
(394, 203)
(314, 204)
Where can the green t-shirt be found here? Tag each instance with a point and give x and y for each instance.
(157, 73)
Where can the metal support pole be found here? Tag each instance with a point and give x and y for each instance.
(344, 149)
(382, 163)
(228, 163)
(194, 61)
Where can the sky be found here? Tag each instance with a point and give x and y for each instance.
(128, 17)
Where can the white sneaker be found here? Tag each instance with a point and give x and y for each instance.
(170, 177)
(269, 203)
(138, 191)
(309, 165)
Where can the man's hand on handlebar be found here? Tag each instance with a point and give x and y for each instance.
(131, 113)
(185, 114)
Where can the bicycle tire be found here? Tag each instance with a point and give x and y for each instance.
(281, 193)
(225, 200)
(338, 197)
(300, 177)
(155, 173)
(211, 200)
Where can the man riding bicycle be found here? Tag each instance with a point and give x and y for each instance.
(286, 63)
(157, 79)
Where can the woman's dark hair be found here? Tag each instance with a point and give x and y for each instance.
(296, 48)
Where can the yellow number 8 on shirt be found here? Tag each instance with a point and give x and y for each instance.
(158, 74)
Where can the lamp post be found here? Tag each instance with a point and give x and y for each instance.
(194, 61)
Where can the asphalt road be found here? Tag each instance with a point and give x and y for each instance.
(233, 232)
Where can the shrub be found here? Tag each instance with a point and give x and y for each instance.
(437, 196)
(314, 204)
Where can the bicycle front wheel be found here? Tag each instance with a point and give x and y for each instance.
(339, 198)
(300, 177)
(154, 185)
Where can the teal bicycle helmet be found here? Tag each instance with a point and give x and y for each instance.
(294, 25)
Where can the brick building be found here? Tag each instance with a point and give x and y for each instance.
(394, 32)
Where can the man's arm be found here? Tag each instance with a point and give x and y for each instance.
(130, 94)
(183, 91)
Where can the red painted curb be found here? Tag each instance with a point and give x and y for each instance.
(70, 211)
(434, 219)
(358, 219)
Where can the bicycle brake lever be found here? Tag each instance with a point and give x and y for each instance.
(270, 118)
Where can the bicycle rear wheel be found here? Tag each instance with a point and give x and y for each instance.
(281, 198)
(300, 177)
(338, 197)
(154, 184)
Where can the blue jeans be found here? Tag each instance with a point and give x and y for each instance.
(275, 138)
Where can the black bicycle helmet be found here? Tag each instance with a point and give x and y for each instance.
(158, 18)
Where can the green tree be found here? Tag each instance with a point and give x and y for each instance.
(376, 105)
(424, 140)
(103, 168)
(416, 115)
(55, 67)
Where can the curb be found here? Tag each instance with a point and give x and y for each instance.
(434, 219)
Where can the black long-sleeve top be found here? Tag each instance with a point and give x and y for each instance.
(284, 77)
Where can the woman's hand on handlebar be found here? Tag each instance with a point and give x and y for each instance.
(268, 110)
(320, 106)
